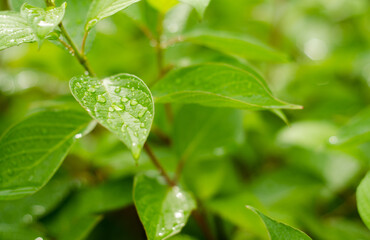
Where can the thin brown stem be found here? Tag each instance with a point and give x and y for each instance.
(158, 47)
(202, 223)
(158, 165)
(179, 168)
(86, 34)
(81, 58)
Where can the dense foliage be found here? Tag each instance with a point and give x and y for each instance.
(184, 119)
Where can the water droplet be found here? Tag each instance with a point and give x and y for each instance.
(133, 102)
(101, 99)
(117, 108)
(117, 90)
(91, 89)
(78, 85)
(111, 109)
(79, 135)
(39, 238)
(179, 214)
(333, 140)
(123, 128)
(142, 125)
(27, 219)
(86, 73)
(123, 99)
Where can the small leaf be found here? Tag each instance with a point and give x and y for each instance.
(280, 231)
(32, 150)
(199, 5)
(163, 210)
(217, 85)
(14, 30)
(237, 46)
(363, 199)
(163, 6)
(101, 9)
(356, 132)
(42, 21)
(122, 103)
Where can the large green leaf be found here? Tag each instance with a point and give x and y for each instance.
(363, 199)
(237, 46)
(28, 209)
(101, 9)
(194, 131)
(163, 210)
(217, 85)
(280, 231)
(14, 30)
(357, 130)
(199, 5)
(42, 21)
(122, 103)
(32, 150)
(82, 209)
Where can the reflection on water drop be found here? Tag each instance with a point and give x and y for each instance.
(39, 238)
(333, 140)
(79, 135)
(179, 214)
(123, 99)
(86, 73)
(117, 90)
(111, 109)
(78, 85)
(91, 89)
(116, 108)
(101, 99)
(133, 102)
(142, 125)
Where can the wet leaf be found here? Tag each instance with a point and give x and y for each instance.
(217, 85)
(122, 103)
(101, 9)
(14, 30)
(163, 210)
(32, 150)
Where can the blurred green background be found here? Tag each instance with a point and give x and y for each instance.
(295, 173)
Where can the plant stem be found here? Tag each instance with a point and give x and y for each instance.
(158, 46)
(80, 57)
(158, 165)
(202, 223)
(84, 42)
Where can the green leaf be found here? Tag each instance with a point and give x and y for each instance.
(101, 9)
(199, 5)
(194, 131)
(232, 208)
(280, 231)
(32, 150)
(28, 209)
(83, 208)
(363, 199)
(163, 210)
(42, 21)
(17, 4)
(122, 103)
(237, 46)
(163, 6)
(17, 232)
(217, 85)
(14, 30)
(356, 132)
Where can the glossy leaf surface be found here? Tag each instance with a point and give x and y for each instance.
(101, 9)
(122, 103)
(163, 211)
(280, 231)
(14, 30)
(217, 85)
(32, 150)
